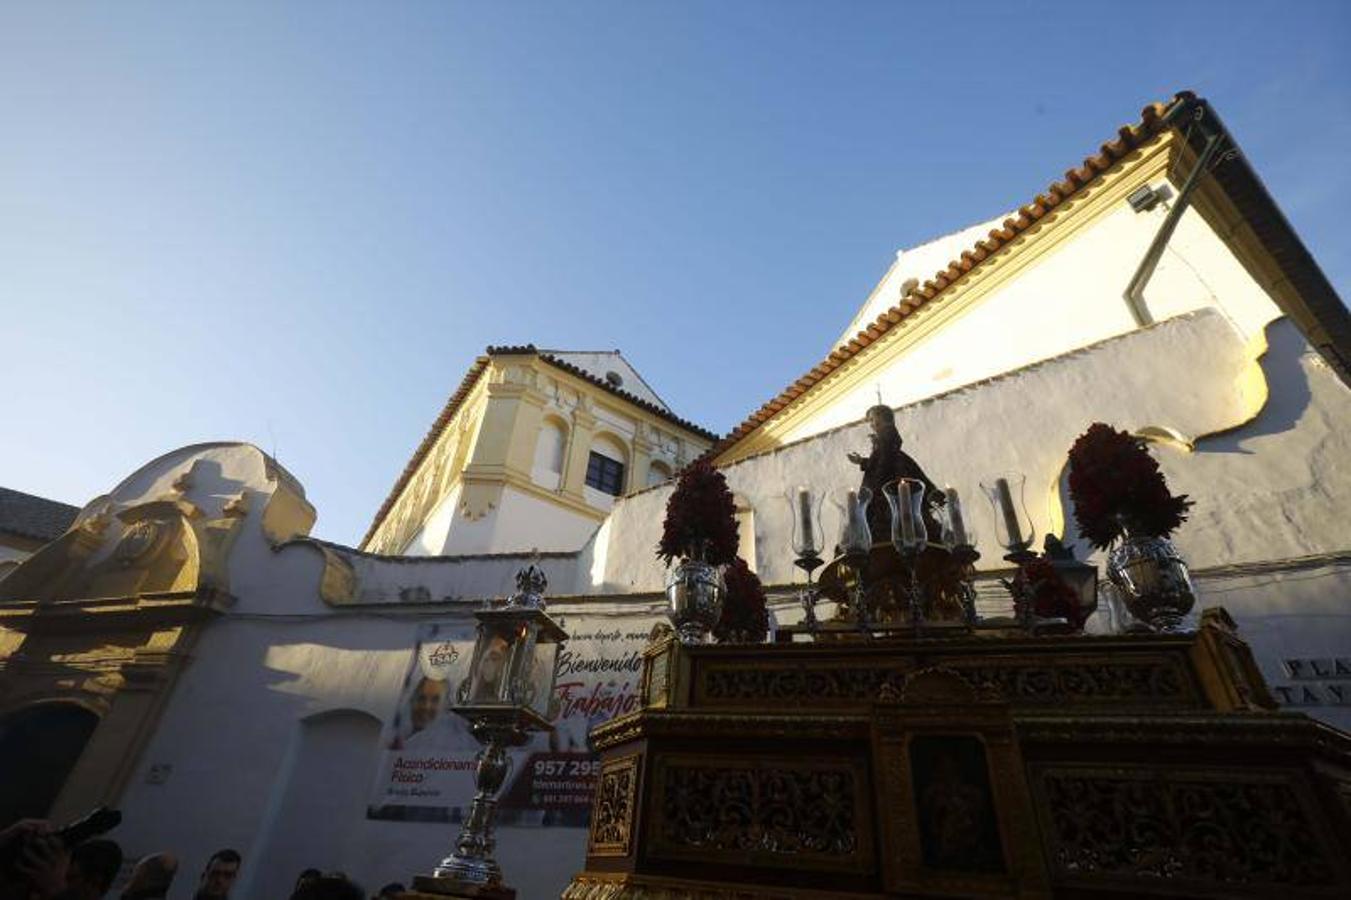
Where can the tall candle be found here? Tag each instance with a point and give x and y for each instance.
(955, 517)
(853, 540)
(1010, 514)
(906, 511)
(804, 511)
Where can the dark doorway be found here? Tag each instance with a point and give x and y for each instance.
(38, 748)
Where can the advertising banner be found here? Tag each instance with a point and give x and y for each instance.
(426, 771)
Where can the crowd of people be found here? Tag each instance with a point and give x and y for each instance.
(36, 863)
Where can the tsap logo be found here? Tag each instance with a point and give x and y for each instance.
(443, 654)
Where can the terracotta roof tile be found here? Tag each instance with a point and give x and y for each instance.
(1128, 138)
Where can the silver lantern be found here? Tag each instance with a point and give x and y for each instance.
(507, 696)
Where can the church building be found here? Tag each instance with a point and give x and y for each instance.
(530, 452)
(193, 657)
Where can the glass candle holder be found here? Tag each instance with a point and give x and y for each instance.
(905, 496)
(956, 531)
(856, 538)
(808, 536)
(1014, 529)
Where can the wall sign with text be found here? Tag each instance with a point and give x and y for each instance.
(1315, 682)
(427, 765)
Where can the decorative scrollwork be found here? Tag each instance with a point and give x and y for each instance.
(612, 810)
(1021, 684)
(785, 811)
(1231, 830)
(1109, 682)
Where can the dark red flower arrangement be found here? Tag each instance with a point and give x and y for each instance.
(700, 518)
(1116, 486)
(1050, 595)
(744, 614)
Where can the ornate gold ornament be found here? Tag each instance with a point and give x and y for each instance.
(138, 542)
(967, 766)
(614, 811)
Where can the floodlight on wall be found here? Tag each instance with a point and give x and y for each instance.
(1144, 198)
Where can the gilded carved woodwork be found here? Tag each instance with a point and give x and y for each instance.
(1080, 680)
(659, 661)
(1210, 830)
(956, 817)
(781, 728)
(967, 766)
(617, 886)
(772, 811)
(614, 810)
(1226, 667)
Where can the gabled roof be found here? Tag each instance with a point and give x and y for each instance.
(30, 516)
(606, 364)
(914, 264)
(557, 359)
(560, 361)
(1323, 317)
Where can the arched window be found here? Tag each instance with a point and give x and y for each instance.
(658, 472)
(549, 450)
(39, 745)
(606, 466)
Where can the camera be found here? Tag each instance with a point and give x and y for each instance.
(99, 821)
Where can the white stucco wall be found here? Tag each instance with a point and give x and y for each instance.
(1069, 298)
(520, 522)
(432, 538)
(1023, 421)
(240, 736)
(919, 263)
(1272, 489)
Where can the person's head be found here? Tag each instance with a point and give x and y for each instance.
(220, 873)
(393, 889)
(305, 877)
(333, 886)
(93, 867)
(428, 697)
(151, 877)
(882, 419)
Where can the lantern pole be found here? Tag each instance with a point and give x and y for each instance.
(503, 705)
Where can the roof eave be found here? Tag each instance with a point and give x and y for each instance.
(1323, 318)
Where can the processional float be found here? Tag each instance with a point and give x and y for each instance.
(907, 747)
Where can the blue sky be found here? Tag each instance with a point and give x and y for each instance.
(297, 223)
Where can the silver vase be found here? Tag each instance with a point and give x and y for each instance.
(694, 592)
(1153, 581)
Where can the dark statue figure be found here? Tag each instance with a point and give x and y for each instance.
(885, 464)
